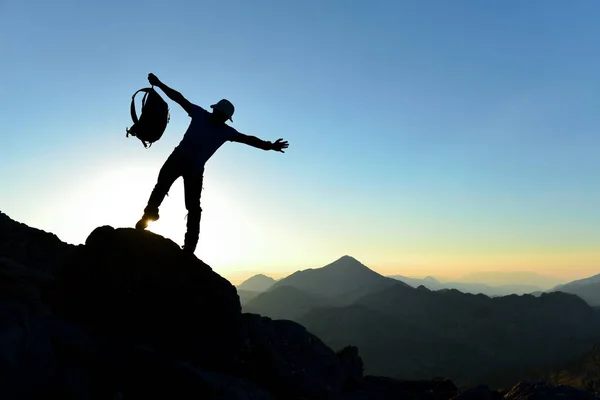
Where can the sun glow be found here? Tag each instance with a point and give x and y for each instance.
(118, 197)
(241, 233)
(222, 228)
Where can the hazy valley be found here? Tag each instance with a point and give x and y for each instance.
(419, 328)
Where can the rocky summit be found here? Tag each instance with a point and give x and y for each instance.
(128, 315)
(138, 288)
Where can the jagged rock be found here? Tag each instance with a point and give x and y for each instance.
(32, 247)
(543, 391)
(288, 360)
(352, 365)
(137, 287)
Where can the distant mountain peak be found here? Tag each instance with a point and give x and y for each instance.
(345, 279)
(257, 283)
(585, 281)
(260, 276)
(347, 262)
(431, 279)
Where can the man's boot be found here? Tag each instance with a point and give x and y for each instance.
(189, 246)
(190, 242)
(150, 214)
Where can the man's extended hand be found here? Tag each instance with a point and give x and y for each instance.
(154, 81)
(280, 144)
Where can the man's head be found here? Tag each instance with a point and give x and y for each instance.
(223, 110)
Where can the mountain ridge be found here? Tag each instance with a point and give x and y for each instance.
(468, 287)
(586, 288)
(479, 333)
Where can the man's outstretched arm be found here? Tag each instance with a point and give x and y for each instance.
(172, 94)
(253, 141)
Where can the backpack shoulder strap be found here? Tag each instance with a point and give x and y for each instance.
(132, 107)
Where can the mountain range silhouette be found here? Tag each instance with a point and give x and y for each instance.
(415, 332)
(129, 315)
(432, 283)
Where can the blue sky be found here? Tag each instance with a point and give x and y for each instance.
(426, 137)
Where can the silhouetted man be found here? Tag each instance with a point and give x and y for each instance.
(206, 133)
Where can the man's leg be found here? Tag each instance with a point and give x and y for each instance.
(170, 171)
(192, 184)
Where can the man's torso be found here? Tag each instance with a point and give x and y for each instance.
(203, 138)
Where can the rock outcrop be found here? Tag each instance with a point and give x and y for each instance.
(138, 288)
(128, 315)
(285, 358)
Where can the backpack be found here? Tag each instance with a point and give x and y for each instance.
(153, 119)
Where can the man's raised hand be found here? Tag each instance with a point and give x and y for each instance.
(154, 81)
(280, 144)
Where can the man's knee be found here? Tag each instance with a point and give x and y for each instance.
(157, 196)
(193, 191)
(194, 215)
(163, 186)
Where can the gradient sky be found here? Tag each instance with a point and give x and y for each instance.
(426, 137)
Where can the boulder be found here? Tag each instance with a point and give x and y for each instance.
(288, 360)
(352, 366)
(136, 287)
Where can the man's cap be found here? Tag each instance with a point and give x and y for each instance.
(225, 107)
